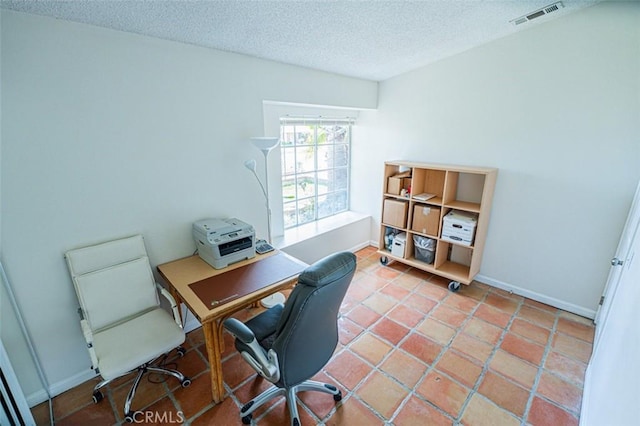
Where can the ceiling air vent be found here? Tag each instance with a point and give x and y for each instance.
(538, 13)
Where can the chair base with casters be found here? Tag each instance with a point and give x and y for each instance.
(246, 412)
(141, 370)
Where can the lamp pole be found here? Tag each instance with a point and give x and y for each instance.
(266, 185)
(265, 144)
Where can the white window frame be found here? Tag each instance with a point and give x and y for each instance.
(314, 121)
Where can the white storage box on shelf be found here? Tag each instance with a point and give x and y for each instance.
(399, 243)
(459, 227)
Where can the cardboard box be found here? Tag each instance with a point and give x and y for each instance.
(394, 213)
(396, 183)
(425, 219)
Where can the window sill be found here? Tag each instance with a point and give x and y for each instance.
(309, 230)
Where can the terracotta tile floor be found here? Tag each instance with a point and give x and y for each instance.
(410, 352)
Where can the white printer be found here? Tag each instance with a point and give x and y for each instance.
(459, 227)
(221, 242)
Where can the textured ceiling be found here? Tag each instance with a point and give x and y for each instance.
(368, 39)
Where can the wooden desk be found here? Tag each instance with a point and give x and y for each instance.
(181, 273)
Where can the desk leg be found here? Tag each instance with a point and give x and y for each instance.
(212, 341)
(221, 336)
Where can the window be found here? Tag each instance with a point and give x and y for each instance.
(315, 168)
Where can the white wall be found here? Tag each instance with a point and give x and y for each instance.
(107, 134)
(11, 336)
(557, 109)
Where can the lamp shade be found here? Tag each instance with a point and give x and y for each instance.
(265, 144)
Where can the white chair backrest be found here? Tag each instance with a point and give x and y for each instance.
(113, 281)
(100, 256)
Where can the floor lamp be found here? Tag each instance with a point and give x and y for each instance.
(265, 144)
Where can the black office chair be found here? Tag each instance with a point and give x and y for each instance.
(289, 344)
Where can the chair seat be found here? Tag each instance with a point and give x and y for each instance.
(126, 346)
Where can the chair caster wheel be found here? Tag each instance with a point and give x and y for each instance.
(454, 286)
(128, 418)
(246, 420)
(97, 397)
(186, 382)
(337, 397)
(384, 260)
(181, 351)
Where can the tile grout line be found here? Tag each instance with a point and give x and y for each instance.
(547, 349)
(352, 393)
(423, 281)
(432, 366)
(541, 369)
(485, 366)
(386, 356)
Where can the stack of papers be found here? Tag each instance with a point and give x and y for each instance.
(424, 196)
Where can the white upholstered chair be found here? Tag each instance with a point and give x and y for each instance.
(123, 323)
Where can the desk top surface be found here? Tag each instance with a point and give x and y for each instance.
(181, 273)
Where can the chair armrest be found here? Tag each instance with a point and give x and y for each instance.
(174, 306)
(88, 337)
(239, 330)
(266, 364)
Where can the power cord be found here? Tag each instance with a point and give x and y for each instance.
(157, 378)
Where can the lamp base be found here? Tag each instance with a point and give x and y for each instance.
(273, 300)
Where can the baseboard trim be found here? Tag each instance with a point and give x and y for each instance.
(538, 297)
(556, 303)
(36, 398)
(57, 388)
(359, 246)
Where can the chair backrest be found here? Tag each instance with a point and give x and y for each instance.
(307, 333)
(113, 281)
